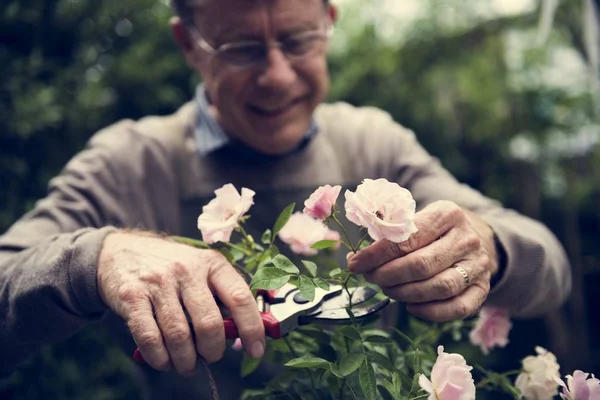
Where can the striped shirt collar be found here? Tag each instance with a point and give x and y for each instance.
(209, 134)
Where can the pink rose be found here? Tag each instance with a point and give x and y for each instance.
(491, 329)
(539, 377)
(320, 204)
(385, 208)
(221, 215)
(579, 387)
(301, 232)
(451, 378)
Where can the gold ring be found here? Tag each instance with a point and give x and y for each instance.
(463, 273)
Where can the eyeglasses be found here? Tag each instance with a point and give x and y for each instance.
(247, 54)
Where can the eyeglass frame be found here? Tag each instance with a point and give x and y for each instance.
(212, 52)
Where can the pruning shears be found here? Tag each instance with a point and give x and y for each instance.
(285, 309)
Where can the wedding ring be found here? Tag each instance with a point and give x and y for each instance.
(463, 273)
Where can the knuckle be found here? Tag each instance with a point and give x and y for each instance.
(179, 269)
(177, 333)
(241, 297)
(425, 267)
(149, 339)
(154, 278)
(472, 241)
(463, 309)
(209, 325)
(130, 295)
(447, 287)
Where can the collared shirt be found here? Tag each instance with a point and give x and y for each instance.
(209, 134)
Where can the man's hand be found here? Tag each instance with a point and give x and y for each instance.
(426, 270)
(150, 281)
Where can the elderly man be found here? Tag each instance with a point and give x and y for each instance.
(87, 253)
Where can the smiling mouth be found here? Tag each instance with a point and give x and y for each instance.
(274, 111)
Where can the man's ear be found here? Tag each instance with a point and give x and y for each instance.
(182, 36)
(333, 13)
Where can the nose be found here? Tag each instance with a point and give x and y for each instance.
(278, 72)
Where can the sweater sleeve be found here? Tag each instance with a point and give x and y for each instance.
(48, 259)
(537, 274)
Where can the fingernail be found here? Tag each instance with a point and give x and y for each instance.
(349, 255)
(257, 350)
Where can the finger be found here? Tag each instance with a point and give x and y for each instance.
(206, 320)
(175, 330)
(445, 285)
(147, 336)
(236, 295)
(426, 262)
(458, 307)
(432, 222)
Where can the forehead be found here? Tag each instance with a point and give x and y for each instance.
(231, 18)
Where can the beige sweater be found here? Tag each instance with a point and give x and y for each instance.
(148, 174)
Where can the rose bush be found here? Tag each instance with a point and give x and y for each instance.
(362, 361)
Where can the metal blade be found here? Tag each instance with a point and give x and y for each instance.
(359, 296)
(340, 316)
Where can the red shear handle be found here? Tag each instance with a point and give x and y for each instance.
(272, 327)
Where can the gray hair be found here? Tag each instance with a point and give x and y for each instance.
(183, 8)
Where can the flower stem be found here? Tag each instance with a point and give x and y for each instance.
(421, 396)
(337, 221)
(238, 248)
(362, 240)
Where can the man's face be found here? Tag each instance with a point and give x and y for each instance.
(269, 107)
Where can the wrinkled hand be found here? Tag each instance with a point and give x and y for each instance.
(422, 270)
(149, 281)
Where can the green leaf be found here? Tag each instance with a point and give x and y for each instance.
(322, 283)
(324, 244)
(282, 220)
(350, 332)
(385, 392)
(237, 254)
(378, 339)
(266, 237)
(366, 377)
(249, 365)
(381, 360)
(191, 242)
(335, 272)
(285, 264)
(397, 383)
(311, 267)
(326, 374)
(308, 362)
(307, 287)
(350, 363)
(403, 336)
(269, 278)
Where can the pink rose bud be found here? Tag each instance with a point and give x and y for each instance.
(539, 377)
(579, 387)
(237, 345)
(451, 378)
(320, 204)
(302, 231)
(221, 215)
(385, 208)
(491, 329)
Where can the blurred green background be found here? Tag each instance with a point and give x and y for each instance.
(508, 103)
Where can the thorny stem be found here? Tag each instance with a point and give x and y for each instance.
(345, 284)
(310, 375)
(337, 221)
(361, 240)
